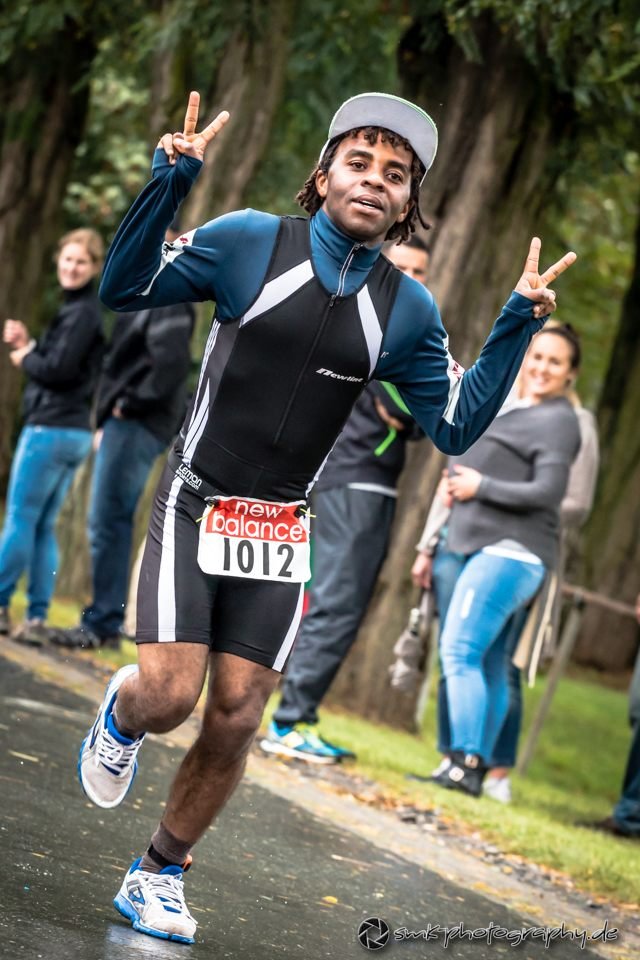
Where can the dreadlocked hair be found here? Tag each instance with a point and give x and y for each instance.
(311, 201)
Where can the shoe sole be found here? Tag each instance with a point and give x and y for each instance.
(497, 798)
(123, 907)
(107, 696)
(26, 642)
(59, 641)
(281, 750)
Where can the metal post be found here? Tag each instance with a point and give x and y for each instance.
(558, 666)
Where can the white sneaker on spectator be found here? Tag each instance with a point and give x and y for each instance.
(442, 767)
(498, 788)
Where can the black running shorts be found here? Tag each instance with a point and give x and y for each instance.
(254, 619)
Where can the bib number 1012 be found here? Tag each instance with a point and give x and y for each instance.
(257, 558)
(255, 540)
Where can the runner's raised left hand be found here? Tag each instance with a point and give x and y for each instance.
(533, 285)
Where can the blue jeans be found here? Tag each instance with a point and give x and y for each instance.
(488, 591)
(123, 462)
(447, 567)
(626, 813)
(505, 749)
(43, 466)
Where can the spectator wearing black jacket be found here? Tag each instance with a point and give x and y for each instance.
(61, 370)
(140, 404)
(354, 502)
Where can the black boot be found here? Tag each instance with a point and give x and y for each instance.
(466, 773)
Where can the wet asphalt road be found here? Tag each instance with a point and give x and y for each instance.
(268, 880)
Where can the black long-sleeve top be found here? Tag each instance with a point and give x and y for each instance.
(63, 367)
(146, 368)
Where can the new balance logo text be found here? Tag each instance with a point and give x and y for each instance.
(339, 376)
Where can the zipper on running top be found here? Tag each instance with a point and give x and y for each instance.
(339, 292)
(345, 269)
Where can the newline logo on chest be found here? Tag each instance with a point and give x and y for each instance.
(339, 376)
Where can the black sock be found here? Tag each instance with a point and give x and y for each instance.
(165, 850)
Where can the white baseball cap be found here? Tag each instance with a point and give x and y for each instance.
(394, 114)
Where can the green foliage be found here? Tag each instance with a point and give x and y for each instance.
(337, 50)
(598, 222)
(589, 47)
(588, 51)
(32, 25)
(207, 24)
(113, 161)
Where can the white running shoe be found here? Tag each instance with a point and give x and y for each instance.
(107, 761)
(154, 902)
(498, 788)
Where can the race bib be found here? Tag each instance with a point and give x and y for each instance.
(255, 539)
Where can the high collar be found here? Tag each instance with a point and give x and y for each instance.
(68, 296)
(337, 245)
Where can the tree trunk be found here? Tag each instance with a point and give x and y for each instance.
(46, 106)
(489, 184)
(249, 85)
(612, 539)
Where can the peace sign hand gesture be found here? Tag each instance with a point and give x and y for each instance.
(190, 143)
(533, 285)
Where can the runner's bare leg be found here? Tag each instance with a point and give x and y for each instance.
(166, 689)
(211, 770)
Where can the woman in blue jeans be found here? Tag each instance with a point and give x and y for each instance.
(61, 370)
(501, 537)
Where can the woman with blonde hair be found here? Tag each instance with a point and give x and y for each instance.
(61, 369)
(499, 542)
(533, 634)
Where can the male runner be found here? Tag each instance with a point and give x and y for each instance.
(306, 314)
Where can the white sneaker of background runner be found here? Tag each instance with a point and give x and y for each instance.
(107, 762)
(155, 904)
